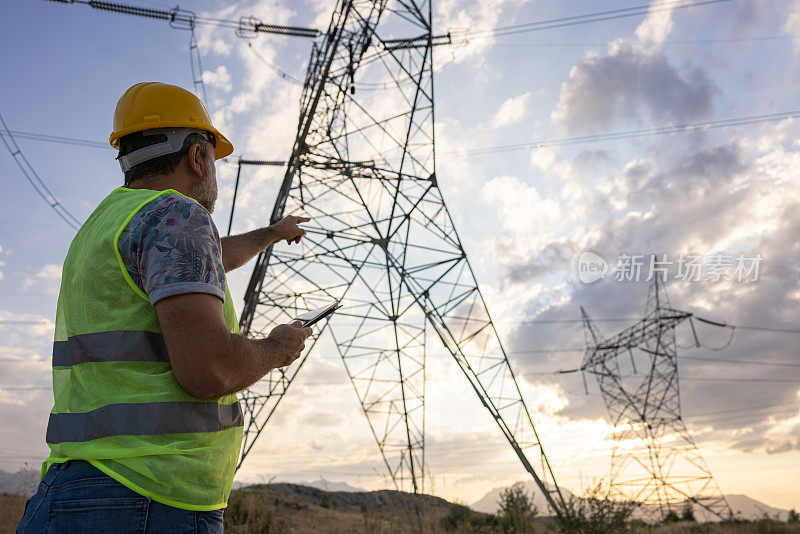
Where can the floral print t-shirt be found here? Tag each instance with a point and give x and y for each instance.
(172, 247)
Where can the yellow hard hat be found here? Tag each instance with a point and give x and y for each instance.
(150, 105)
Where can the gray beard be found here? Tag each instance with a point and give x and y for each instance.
(205, 193)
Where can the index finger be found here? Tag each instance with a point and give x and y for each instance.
(303, 219)
(296, 324)
(307, 331)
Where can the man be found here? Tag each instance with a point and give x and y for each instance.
(146, 429)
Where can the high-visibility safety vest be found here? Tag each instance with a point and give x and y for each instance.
(117, 403)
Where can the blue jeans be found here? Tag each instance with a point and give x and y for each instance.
(75, 497)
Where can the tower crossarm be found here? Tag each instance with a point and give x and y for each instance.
(637, 334)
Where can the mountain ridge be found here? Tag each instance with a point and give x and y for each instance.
(744, 507)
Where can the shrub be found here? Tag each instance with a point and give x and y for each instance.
(688, 513)
(596, 513)
(794, 517)
(456, 515)
(517, 512)
(248, 513)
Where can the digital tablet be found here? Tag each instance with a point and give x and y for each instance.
(312, 317)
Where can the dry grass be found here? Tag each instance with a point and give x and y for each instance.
(266, 510)
(11, 508)
(766, 526)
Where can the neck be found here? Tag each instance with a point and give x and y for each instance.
(160, 183)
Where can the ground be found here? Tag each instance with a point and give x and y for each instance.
(290, 508)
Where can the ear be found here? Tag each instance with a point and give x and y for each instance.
(197, 163)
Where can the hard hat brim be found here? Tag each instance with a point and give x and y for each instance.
(223, 149)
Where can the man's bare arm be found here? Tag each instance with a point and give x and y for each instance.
(238, 249)
(207, 360)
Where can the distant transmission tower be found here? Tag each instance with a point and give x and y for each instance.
(656, 461)
(381, 240)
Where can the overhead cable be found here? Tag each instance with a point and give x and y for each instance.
(740, 362)
(184, 19)
(544, 321)
(286, 76)
(631, 134)
(599, 16)
(34, 136)
(762, 38)
(479, 151)
(33, 177)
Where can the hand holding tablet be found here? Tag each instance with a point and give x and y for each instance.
(314, 316)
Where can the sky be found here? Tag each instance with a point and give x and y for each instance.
(524, 217)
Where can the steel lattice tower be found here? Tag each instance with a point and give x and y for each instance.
(381, 240)
(656, 461)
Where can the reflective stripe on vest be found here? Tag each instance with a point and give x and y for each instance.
(115, 346)
(144, 419)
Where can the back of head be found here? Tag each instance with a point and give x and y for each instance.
(154, 126)
(135, 144)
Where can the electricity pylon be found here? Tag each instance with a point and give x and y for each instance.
(655, 462)
(382, 241)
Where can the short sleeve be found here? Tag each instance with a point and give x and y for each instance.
(172, 247)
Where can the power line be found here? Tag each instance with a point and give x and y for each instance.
(544, 321)
(282, 74)
(746, 410)
(668, 42)
(43, 321)
(630, 134)
(34, 136)
(636, 319)
(557, 321)
(757, 418)
(715, 379)
(556, 372)
(588, 18)
(25, 223)
(767, 329)
(698, 358)
(742, 362)
(184, 19)
(480, 151)
(33, 177)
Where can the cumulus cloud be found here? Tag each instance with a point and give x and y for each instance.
(48, 276)
(512, 110)
(628, 83)
(219, 78)
(544, 157)
(792, 24)
(324, 419)
(322, 12)
(523, 211)
(633, 81)
(655, 28)
(460, 15)
(26, 329)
